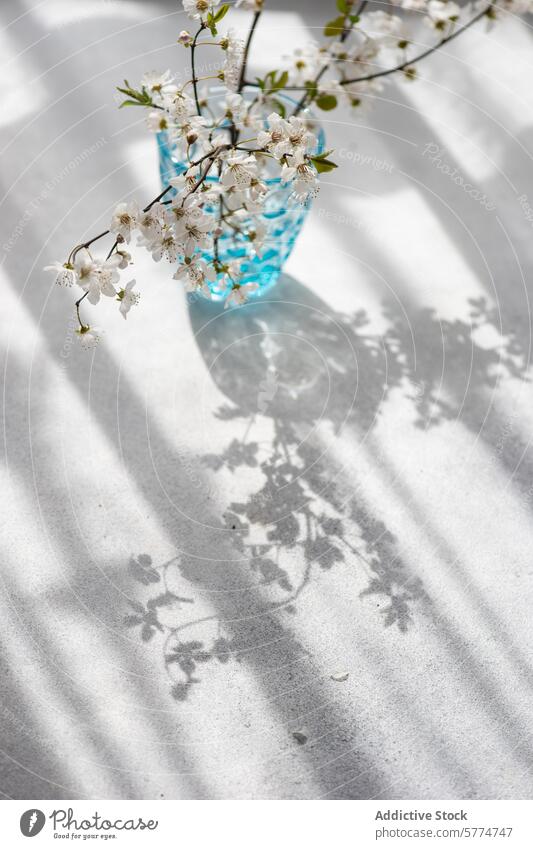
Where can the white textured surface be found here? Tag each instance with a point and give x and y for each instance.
(395, 430)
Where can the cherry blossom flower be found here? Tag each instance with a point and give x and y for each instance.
(386, 29)
(179, 105)
(191, 226)
(89, 336)
(128, 298)
(125, 259)
(164, 245)
(64, 271)
(240, 170)
(360, 94)
(442, 13)
(239, 294)
(196, 274)
(231, 70)
(305, 63)
(250, 5)
(95, 277)
(231, 153)
(157, 122)
(411, 5)
(199, 9)
(185, 38)
(152, 221)
(124, 220)
(155, 81)
(235, 107)
(301, 175)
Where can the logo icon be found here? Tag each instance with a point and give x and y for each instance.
(32, 822)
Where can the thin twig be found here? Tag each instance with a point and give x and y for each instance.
(344, 35)
(193, 68)
(401, 67)
(257, 15)
(422, 55)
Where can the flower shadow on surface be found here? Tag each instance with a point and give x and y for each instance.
(298, 378)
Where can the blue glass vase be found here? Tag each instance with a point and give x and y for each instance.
(283, 218)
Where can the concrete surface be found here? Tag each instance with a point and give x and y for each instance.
(312, 515)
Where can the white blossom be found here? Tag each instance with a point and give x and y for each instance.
(124, 220)
(199, 9)
(89, 336)
(231, 70)
(187, 180)
(125, 259)
(64, 271)
(239, 294)
(250, 5)
(411, 5)
(156, 81)
(151, 223)
(360, 94)
(256, 235)
(179, 105)
(164, 245)
(240, 170)
(514, 7)
(305, 63)
(95, 277)
(195, 131)
(283, 137)
(157, 121)
(128, 298)
(196, 275)
(192, 227)
(235, 107)
(385, 28)
(442, 12)
(302, 177)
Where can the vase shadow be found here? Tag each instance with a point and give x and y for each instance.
(297, 376)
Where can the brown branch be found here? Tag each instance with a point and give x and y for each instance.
(255, 21)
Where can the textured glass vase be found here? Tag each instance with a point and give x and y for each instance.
(283, 217)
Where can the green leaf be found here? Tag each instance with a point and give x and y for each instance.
(222, 12)
(322, 165)
(130, 103)
(282, 80)
(323, 155)
(334, 28)
(273, 83)
(326, 102)
(140, 98)
(280, 107)
(213, 20)
(343, 6)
